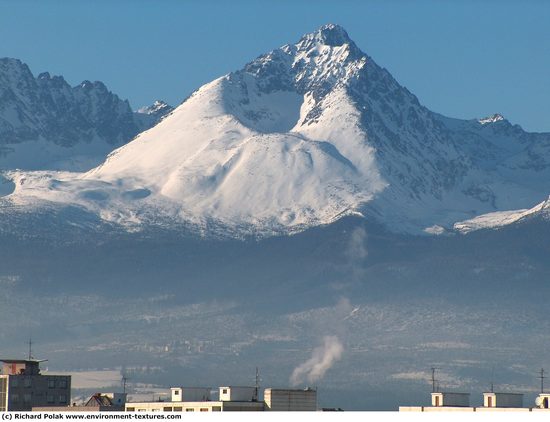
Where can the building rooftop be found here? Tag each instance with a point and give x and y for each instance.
(34, 361)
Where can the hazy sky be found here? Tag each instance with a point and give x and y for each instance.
(461, 58)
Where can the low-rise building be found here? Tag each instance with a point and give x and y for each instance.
(492, 402)
(23, 387)
(280, 399)
(231, 398)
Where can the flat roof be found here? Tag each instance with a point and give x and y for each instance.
(503, 392)
(449, 392)
(23, 360)
(236, 386)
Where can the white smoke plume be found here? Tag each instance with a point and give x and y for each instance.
(322, 358)
(357, 247)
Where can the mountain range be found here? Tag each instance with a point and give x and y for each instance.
(306, 195)
(45, 124)
(300, 137)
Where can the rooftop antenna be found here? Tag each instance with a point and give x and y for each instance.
(257, 387)
(433, 368)
(124, 380)
(30, 348)
(492, 379)
(541, 376)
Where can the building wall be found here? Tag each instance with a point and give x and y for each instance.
(237, 393)
(26, 391)
(290, 400)
(78, 409)
(4, 379)
(464, 409)
(199, 406)
(450, 399)
(503, 400)
(190, 394)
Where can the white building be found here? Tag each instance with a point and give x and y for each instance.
(492, 402)
(231, 398)
(542, 401)
(197, 399)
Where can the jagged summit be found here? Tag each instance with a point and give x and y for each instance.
(492, 119)
(302, 136)
(330, 34)
(159, 106)
(47, 124)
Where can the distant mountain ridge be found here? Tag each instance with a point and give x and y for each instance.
(301, 137)
(47, 124)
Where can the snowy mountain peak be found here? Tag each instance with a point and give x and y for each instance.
(330, 34)
(302, 136)
(157, 107)
(491, 119)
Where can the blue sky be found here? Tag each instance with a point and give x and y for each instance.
(461, 58)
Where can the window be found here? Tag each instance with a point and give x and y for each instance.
(224, 391)
(14, 382)
(26, 398)
(130, 409)
(176, 392)
(63, 399)
(51, 383)
(167, 409)
(190, 410)
(204, 409)
(216, 408)
(14, 398)
(50, 398)
(63, 383)
(177, 409)
(27, 382)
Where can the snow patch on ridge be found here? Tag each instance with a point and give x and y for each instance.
(500, 218)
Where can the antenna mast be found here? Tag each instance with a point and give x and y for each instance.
(433, 379)
(541, 376)
(492, 379)
(124, 379)
(30, 348)
(257, 389)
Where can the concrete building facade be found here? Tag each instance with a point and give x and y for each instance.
(281, 400)
(190, 394)
(492, 399)
(231, 398)
(23, 387)
(445, 399)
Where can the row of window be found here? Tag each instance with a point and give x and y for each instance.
(27, 382)
(27, 398)
(180, 409)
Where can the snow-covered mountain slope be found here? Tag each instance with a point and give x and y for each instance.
(47, 124)
(299, 137)
(500, 219)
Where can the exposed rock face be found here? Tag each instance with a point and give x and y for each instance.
(47, 118)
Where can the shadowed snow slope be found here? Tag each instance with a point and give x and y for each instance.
(302, 136)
